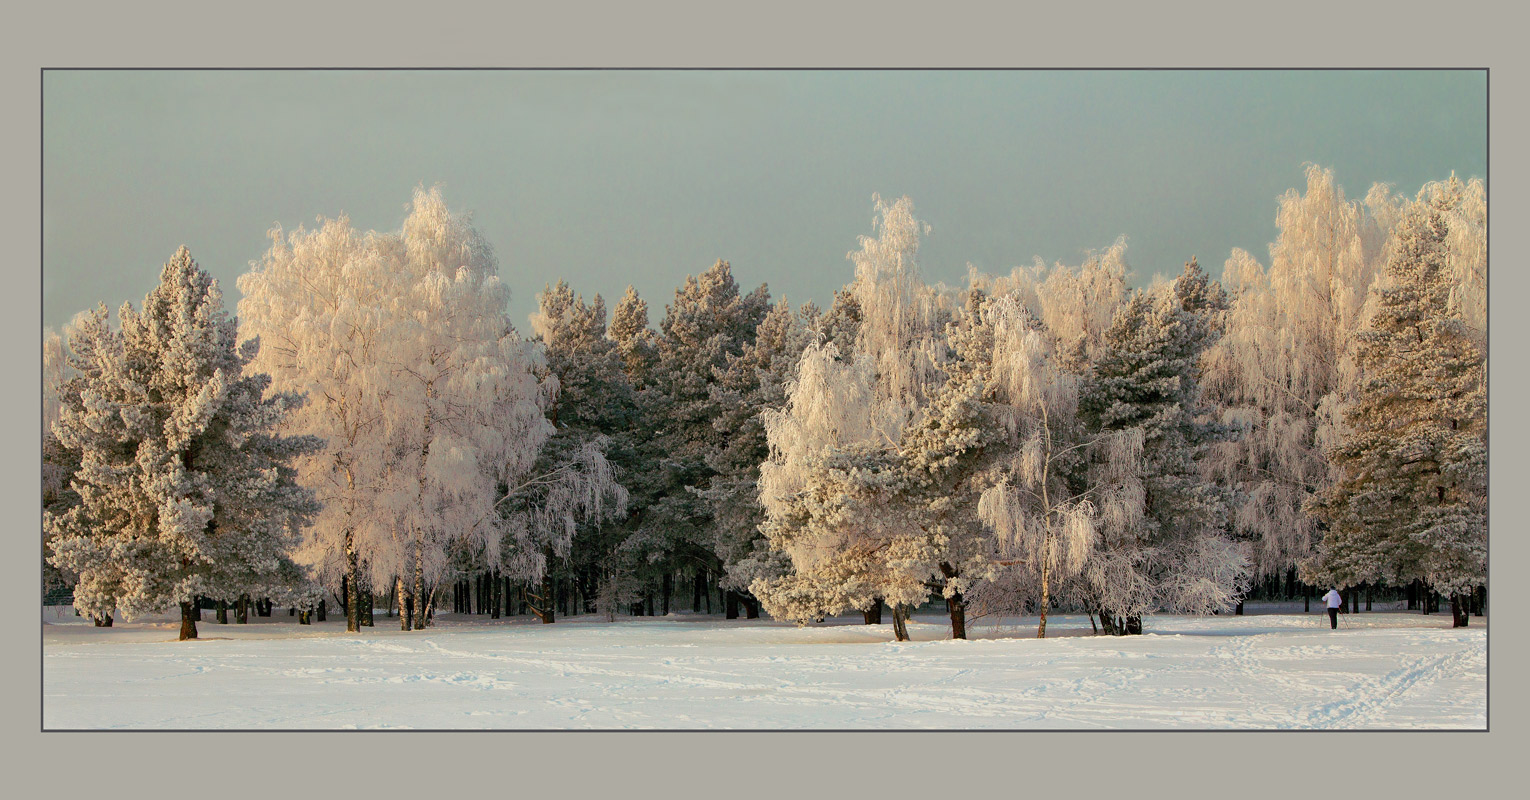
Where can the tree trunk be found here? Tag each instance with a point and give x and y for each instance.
(419, 581)
(367, 600)
(1041, 629)
(1238, 609)
(730, 605)
(405, 619)
(1458, 617)
(222, 611)
(751, 606)
(188, 622)
(666, 588)
(900, 622)
(1480, 603)
(352, 563)
(196, 609)
(1133, 626)
(708, 594)
(696, 595)
(103, 620)
(1354, 600)
(957, 605)
(543, 608)
(242, 610)
(873, 613)
(1306, 601)
(321, 609)
(494, 601)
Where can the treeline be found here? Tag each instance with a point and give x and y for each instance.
(375, 427)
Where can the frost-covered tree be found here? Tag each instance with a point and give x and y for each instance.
(322, 303)
(947, 456)
(828, 490)
(1044, 523)
(466, 412)
(185, 487)
(59, 463)
(1283, 370)
(1463, 207)
(432, 406)
(635, 341)
(1411, 498)
(1146, 378)
(837, 489)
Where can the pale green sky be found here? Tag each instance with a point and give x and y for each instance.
(613, 177)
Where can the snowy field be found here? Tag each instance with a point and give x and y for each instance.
(1389, 670)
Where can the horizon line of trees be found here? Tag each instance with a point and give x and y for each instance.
(373, 426)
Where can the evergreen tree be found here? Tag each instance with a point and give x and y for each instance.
(1411, 500)
(708, 323)
(635, 341)
(1147, 378)
(840, 499)
(593, 410)
(185, 488)
(753, 381)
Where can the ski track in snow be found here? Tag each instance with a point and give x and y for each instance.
(1272, 671)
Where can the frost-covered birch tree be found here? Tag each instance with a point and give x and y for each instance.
(185, 487)
(321, 302)
(1043, 524)
(466, 411)
(1283, 372)
(59, 463)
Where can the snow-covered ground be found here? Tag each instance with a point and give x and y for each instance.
(1272, 670)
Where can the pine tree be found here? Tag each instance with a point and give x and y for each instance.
(753, 381)
(1411, 500)
(635, 341)
(830, 491)
(708, 323)
(946, 456)
(594, 412)
(1147, 378)
(840, 499)
(185, 488)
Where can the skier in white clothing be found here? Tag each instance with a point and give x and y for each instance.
(1335, 602)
